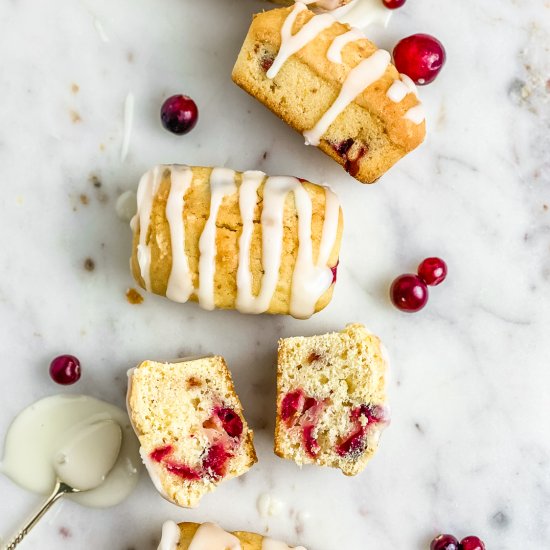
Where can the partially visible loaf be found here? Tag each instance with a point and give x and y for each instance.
(331, 398)
(209, 536)
(376, 128)
(190, 425)
(248, 254)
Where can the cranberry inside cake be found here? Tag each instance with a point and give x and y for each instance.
(331, 400)
(191, 427)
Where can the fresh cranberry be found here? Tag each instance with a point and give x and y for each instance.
(231, 422)
(179, 114)
(374, 414)
(215, 461)
(419, 56)
(444, 542)
(409, 293)
(472, 543)
(310, 442)
(183, 471)
(432, 271)
(65, 369)
(292, 404)
(158, 455)
(334, 270)
(393, 4)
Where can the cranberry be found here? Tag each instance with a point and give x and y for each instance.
(353, 444)
(432, 271)
(393, 4)
(266, 61)
(231, 422)
(292, 403)
(65, 369)
(409, 293)
(419, 56)
(215, 461)
(310, 442)
(334, 270)
(472, 543)
(158, 455)
(444, 542)
(183, 471)
(343, 147)
(179, 114)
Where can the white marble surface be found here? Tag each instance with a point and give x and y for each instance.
(468, 450)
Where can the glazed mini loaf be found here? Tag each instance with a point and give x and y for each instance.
(236, 240)
(190, 426)
(331, 399)
(209, 536)
(330, 83)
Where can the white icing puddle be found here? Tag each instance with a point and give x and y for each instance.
(78, 438)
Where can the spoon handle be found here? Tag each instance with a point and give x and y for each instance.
(59, 490)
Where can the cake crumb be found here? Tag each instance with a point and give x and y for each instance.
(133, 296)
(75, 117)
(89, 264)
(84, 199)
(75, 88)
(95, 181)
(65, 533)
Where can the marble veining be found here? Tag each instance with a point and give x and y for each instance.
(468, 449)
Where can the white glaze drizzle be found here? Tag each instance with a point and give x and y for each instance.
(210, 536)
(334, 52)
(180, 283)
(147, 189)
(363, 13)
(222, 183)
(270, 544)
(401, 88)
(291, 43)
(416, 114)
(170, 536)
(360, 77)
(311, 279)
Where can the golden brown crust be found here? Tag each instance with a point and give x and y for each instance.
(307, 85)
(228, 232)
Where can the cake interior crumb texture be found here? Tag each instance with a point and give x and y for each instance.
(331, 398)
(190, 425)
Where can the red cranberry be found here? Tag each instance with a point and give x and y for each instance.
(472, 543)
(444, 542)
(393, 4)
(293, 402)
(334, 270)
(158, 455)
(215, 461)
(419, 56)
(310, 442)
(65, 369)
(432, 271)
(179, 114)
(183, 471)
(231, 422)
(409, 293)
(353, 444)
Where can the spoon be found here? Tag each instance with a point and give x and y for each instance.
(82, 464)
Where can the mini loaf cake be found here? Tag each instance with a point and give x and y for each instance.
(331, 399)
(236, 240)
(330, 83)
(209, 536)
(190, 426)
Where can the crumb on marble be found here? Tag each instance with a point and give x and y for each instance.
(75, 88)
(102, 147)
(545, 207)
(65, 532)
(95, 181)
(264, 155)
(130, 57)
(84, 199)
(75, 117)
(133, 296)
(89, 264)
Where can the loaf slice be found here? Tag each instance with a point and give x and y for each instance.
(331, 399)
(190, 426)
(337, 88)
(209, 536)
